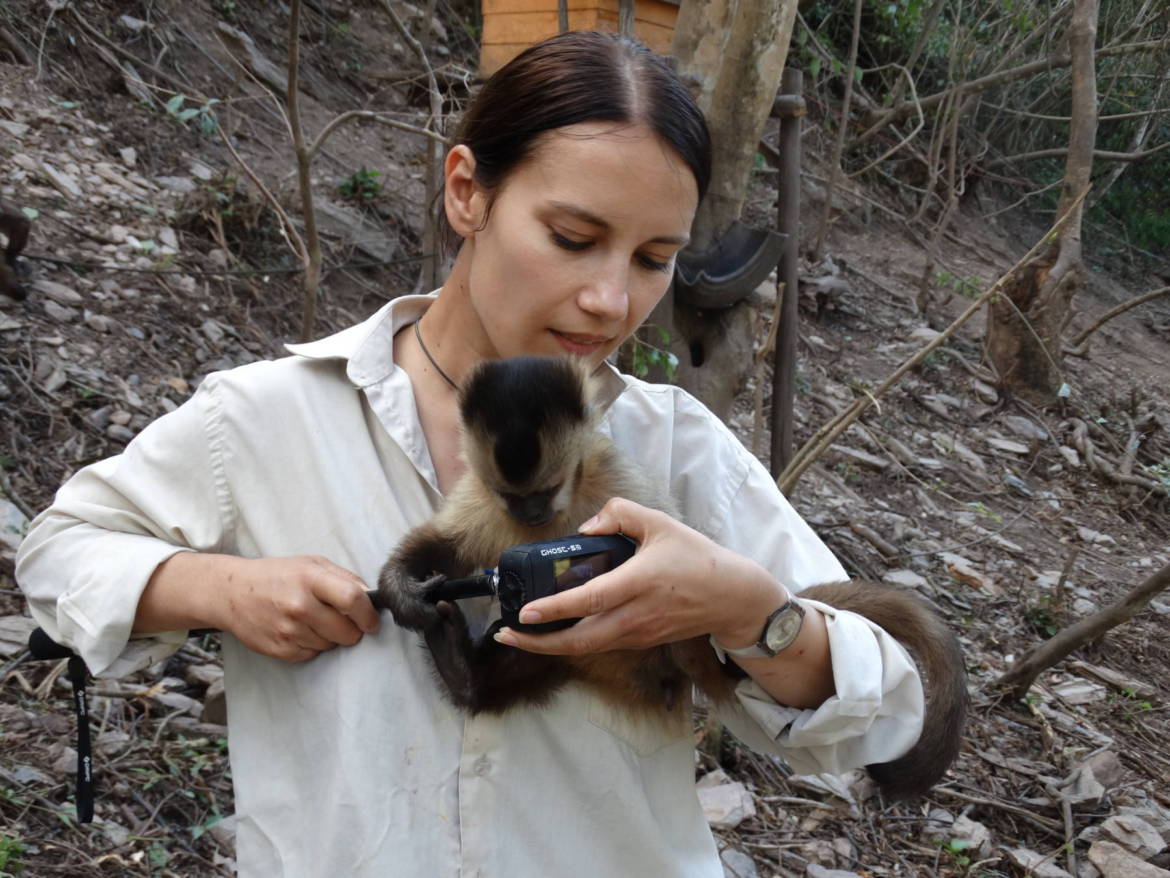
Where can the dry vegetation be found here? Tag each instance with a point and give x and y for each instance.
(161, 263)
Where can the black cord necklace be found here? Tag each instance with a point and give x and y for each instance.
(438, 368)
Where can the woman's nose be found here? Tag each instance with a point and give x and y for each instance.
(607, 293)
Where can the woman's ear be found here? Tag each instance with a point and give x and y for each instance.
(463, 198)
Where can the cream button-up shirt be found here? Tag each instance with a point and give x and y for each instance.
(351, 764)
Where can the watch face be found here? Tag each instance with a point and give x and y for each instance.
(783, 630)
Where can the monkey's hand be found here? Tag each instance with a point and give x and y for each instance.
(409, 599)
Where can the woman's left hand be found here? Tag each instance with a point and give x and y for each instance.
(678, 585)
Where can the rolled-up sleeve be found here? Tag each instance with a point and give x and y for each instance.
(87, 558)
(876, 714)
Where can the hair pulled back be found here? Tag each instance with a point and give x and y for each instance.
(580, 76)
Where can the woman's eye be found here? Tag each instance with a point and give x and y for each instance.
(569, 243)
(653, 264)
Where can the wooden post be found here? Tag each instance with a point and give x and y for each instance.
(626, 18)
(790, 107)
(562, 16)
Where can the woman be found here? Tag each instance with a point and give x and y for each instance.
(576, 176)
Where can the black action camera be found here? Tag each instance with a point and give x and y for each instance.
(532, 571)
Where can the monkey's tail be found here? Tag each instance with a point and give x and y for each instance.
(917, 627)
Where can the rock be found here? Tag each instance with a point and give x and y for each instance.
(984, 391)
(62, 182)
(1080, 692)
(12, 526)
(924, 333)
(907, 578)
(241, 45)
(1024, 427)
(112, 742)
(737, 864)
(815, 871)
(1036, 864)
(14, 630)
(131, 23)
(66, 761)
(1115, 678)
(129, 156)
(355, 229)
(178, 701)
(98, 322)
(1089, 781)
(975, 835)
(26, 774)
(9, 323)
(59, 293)
(168, 238)
(14, 129)
(964, 571)
(215, 704)
(1009, 445)
(203, 675)
(115, 832)
(118, 234)
(1114, 861)
(859, 457)
(108, 173)
(725, 804)
(121, 417)
(1134, 834)
(1070, 455)
(176, 184)
(120, 433)
(1091, 536)
(59, 312)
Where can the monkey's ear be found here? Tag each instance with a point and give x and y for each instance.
(591, 386)
(464, 200)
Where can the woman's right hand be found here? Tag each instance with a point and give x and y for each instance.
(286, 608)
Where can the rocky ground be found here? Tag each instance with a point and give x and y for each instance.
(153, 263)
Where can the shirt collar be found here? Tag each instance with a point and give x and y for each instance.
(367, 346)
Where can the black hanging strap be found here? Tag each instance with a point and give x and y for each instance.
(44, 647)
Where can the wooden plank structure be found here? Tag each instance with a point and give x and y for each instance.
(510, 26)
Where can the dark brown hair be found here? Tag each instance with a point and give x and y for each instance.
(580, 76)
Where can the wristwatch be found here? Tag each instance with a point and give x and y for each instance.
(780, 630)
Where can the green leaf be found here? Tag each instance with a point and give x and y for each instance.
(188, 114)
(174, 104)
(815, 68)
(31, 212)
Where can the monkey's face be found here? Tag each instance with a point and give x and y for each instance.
(526, 424)
(550, 465)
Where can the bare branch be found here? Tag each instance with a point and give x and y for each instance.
(838, 148)
(1024, 673)
(1083, 336)
(1003, 76)
(377, 118)
(1061, 151)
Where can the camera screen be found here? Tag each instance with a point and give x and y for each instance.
(571, 572)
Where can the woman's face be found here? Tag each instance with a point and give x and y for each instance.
(579, 242)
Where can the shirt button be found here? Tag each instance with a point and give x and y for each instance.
(483, 766)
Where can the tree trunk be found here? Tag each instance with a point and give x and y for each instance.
(736, 49)
(1025, 323)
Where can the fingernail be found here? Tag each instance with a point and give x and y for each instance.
(530, 616)
(591, 523)
(505, 637)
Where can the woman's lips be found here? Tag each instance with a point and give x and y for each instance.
(580, 344)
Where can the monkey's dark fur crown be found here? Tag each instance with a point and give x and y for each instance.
(520, 402)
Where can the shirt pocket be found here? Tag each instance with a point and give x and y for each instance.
(644, 732)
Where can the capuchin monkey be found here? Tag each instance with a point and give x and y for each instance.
(536, 468)
(15, 225)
